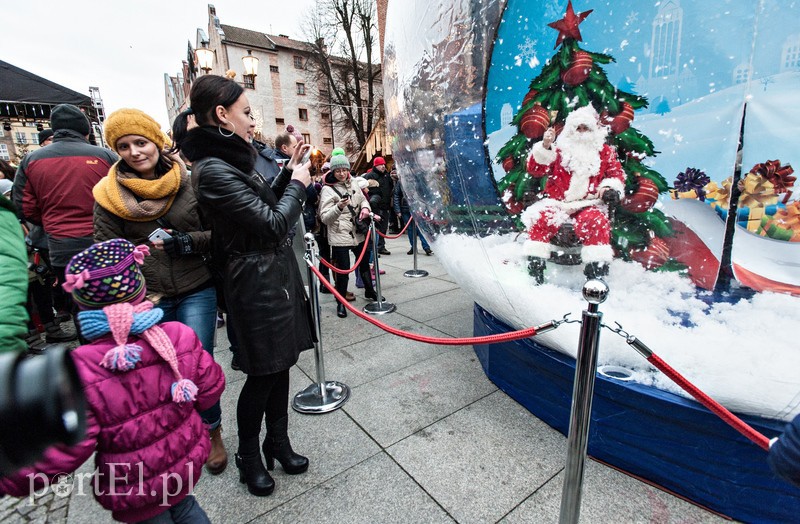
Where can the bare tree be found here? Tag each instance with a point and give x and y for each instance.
(344, 39)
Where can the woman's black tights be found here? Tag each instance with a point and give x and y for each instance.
(262, 396)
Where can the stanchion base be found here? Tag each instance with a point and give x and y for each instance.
(379, 308)
(311, 402)
(415, 273)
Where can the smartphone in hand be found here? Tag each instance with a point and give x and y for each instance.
(158, 234)
(307, 156)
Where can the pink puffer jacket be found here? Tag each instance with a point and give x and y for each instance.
(150, 450)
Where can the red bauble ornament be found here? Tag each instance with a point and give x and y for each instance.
(534, 122)
(508, 163)
(579, 68)
(654, 255)
(532, 93)
(643, 199)
(623, 120)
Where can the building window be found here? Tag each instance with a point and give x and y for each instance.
(349, 146)
(19, 137)
(2, 132)
(4, 152)
(306, 138)
(273, 69)
(249, 81)
(325, 116)
(301, 88)
(298, 62)
(324, 93)
(303, 114)
(327, 140)
(279, 121)
(34, 138)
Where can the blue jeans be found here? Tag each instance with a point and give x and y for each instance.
(199, 312)
(187, 511)
(425, 246)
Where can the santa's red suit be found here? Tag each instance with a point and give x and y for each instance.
(574, 186)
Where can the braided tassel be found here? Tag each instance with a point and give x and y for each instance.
(184, 390)
(122, 357)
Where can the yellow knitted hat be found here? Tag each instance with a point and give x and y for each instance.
(132, 122)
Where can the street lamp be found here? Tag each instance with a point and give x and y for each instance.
(250, 70)
(205, 57)
(250, 64)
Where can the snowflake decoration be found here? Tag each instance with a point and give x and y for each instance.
(527, 53)
(632, 19)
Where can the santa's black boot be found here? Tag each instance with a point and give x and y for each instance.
(536, 266)
(595, 270)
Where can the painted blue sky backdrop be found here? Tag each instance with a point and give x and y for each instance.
(715, 38)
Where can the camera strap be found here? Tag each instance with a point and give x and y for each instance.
(351, 208)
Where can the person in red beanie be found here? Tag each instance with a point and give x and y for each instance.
(380, 198)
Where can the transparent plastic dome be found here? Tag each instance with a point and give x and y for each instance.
(720, 304)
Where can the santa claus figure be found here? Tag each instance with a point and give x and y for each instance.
(583, 177)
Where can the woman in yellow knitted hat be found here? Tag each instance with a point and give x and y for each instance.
(148, 190)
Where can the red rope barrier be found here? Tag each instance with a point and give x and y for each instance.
(345, 272)
(398, 235)
(488, 339)
(738, 424)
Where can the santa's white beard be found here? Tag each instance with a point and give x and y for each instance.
(580, 155)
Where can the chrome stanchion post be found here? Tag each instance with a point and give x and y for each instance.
(414, 273)
(322, 396)
(379, 307)
(595, 292)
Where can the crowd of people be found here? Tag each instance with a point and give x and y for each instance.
(140, 245)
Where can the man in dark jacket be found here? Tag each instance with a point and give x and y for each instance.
(380, 198)
(403, 212)
(266, 163)
(53, 186)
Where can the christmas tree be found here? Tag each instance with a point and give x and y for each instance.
(574, 78)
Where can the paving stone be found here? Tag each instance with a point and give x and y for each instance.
(375, 491)
(57, 516)
(402, 403)
(481, 461)
(610, 496)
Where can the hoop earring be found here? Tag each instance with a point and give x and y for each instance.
(219, 128)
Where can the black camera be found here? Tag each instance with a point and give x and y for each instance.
(39, 269)
(41, 404)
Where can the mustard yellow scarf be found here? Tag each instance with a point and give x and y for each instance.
(133, 198)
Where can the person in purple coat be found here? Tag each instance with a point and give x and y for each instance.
(145, 385)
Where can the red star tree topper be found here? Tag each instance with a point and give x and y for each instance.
(574, 78)
(567, 27)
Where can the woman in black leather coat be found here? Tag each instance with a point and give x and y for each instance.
(262, 286)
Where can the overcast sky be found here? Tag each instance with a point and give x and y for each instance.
(122, 47)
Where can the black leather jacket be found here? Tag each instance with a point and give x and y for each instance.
(263, 289)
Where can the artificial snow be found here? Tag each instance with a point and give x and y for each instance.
(744, 355)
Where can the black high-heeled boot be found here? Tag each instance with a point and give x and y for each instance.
(277, 447)
(341, 311)
(369, 289)
(251, 469)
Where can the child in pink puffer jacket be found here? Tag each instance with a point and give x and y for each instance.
(145, 384)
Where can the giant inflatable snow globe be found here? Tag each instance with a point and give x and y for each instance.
(687, 207)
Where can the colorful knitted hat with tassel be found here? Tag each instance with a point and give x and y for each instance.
(107, 273)
(125, 319)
